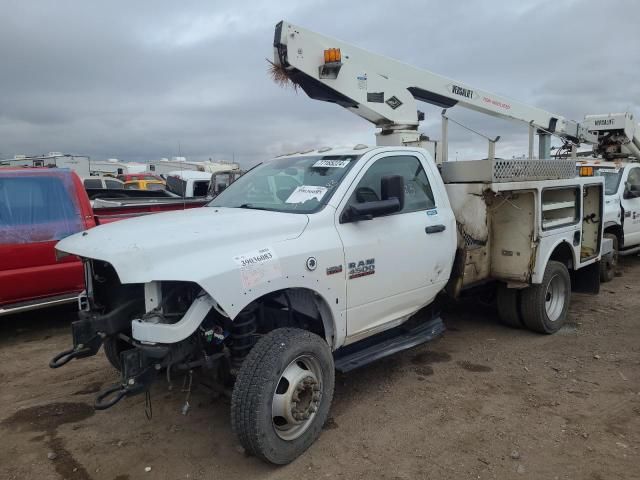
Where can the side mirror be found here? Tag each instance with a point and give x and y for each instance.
(631, 191)
(392, 190)
(392, 186)
(368, 210)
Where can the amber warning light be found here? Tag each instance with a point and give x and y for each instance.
(586, 171)
(332, 55)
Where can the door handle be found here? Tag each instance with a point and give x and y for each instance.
(434, 229)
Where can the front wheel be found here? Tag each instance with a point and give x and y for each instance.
(544, 307)
(282, 394)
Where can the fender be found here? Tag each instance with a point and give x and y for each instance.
(610, 224)
(333, 334)
(542, 262)
(189, 323)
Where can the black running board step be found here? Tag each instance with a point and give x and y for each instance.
(387, 343)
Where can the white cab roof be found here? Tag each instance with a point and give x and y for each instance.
(190, 175)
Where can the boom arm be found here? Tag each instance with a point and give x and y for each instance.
(385, 91)
(618, 135)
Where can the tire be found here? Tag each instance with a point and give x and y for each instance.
(609, 266)
(508, 306)
(544, 307)
(113, 347)
(263, 383)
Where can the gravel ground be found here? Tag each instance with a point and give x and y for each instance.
(484, 401)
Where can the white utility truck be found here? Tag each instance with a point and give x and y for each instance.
(329, 259)
(618, 154)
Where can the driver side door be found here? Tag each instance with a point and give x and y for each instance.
(396, 263)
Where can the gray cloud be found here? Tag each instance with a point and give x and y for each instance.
(145, 79)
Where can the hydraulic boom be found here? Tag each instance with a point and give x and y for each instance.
(385, 91)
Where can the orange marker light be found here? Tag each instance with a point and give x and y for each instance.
(332, 55)
(586, 171)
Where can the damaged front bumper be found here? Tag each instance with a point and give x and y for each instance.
(152, 346)
(138, 364)
(90, 330)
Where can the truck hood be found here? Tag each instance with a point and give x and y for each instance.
(183, 245)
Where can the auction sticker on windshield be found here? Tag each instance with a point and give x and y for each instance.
(304, 193)
(258, 266)
(331, 163)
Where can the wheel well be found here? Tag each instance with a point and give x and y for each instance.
(617, 231)
(563, 253)
(294, 307)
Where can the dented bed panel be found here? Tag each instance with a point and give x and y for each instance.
(513, 234)
(501, 234)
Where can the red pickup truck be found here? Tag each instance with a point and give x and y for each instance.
(38, 207)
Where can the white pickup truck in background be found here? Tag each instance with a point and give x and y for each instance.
(621, 208)
(188, 183)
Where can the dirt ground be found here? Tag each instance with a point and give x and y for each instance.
(482, 402)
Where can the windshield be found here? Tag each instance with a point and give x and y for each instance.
(293, 184)
(611, 177)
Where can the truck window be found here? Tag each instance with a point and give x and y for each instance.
(37, 209)
(417, 191)
(292, 184)
(93, 183)
(176, 185)
(633, 180)
(111, 184)
(611, 177)
(155, 186)
(200, 189)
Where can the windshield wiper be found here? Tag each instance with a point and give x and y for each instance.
(251, 206)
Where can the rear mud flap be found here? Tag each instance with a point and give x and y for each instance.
(586, 279)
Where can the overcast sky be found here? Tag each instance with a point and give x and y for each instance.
(144, 79)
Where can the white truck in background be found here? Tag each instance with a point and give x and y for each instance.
(617, 155)
(188, 183)
(331, 259)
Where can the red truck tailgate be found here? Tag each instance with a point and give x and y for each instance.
(38, 208)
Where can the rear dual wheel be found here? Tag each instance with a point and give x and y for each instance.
(542, 307)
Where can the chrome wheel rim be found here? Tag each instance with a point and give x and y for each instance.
(297, 397)
(555, 298)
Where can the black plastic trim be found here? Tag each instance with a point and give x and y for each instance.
(432, 98)
(319, 91)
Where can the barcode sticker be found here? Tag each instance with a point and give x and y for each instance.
(331, 163)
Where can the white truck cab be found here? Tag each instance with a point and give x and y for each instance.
(188, 183)
(622, 205)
